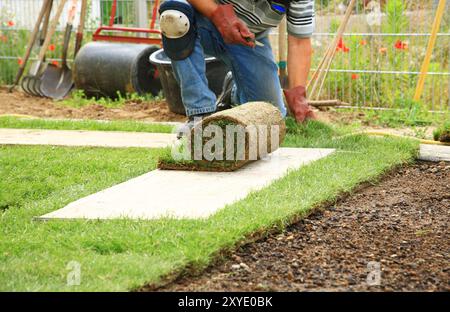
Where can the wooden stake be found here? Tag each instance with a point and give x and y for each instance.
(325, 103)
(431, 43)
(331, 52)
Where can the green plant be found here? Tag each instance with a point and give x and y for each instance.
(443, 132)
(396, 21)
(420, 133)
(333, 6)
(405, 112)
(12, 47)
(125, 14)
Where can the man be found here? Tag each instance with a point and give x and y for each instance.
(236, 32)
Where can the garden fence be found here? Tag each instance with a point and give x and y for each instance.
(377, 63)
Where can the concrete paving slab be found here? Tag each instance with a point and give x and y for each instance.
(86, 138)
(434, 152)
(30, 117)
(183, 194)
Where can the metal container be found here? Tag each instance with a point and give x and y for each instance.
(215, 73)
(105, 69)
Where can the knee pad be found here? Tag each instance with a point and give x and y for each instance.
(177, 23)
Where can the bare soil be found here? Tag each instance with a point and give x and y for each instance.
(23, 104)
(205, 166)
(20, 103)
(402, 224)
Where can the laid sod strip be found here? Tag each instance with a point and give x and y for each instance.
(128, 126)
(126, 255)
(228, 140)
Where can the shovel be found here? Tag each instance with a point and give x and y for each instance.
(45, 13)
(56, 81)
(31, 82)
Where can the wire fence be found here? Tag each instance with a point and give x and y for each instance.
(377, 63)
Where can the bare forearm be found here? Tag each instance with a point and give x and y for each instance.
(206, 7)
(299, 61)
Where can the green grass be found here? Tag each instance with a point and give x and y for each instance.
(124, 255)
(79, 99)
(130, 126)
(406, 113)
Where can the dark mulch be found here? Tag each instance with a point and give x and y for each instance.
(402, 224)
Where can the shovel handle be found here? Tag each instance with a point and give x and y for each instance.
(46, 22)
(30, 44)
(80, 31)
(51, 30)
(66, 44)
(68, 32)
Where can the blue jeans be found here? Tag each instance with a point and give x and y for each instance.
(254, 70)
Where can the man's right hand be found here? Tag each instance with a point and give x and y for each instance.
(232, 29)
(298, 104)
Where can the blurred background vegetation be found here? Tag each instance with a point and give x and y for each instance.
(376, 65)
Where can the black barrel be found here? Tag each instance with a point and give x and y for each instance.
(215, 73)
(103, 69)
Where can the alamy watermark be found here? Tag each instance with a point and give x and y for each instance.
(374, 276)
(73, 278)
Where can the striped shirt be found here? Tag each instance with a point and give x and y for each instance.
(261, 15)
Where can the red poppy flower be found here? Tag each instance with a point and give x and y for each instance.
(355, 76)
(11, 23)
(341, 46)
(400, 45)
(52, 47)
(56, 63)
(3, 38)
(20, 61)
(363, 42)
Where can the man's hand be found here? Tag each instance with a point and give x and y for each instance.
(232, 29)
(298, 104)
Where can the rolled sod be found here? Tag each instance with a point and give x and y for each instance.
(228, 140)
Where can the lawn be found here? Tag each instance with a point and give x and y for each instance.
(117, 125)
(124, 255)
